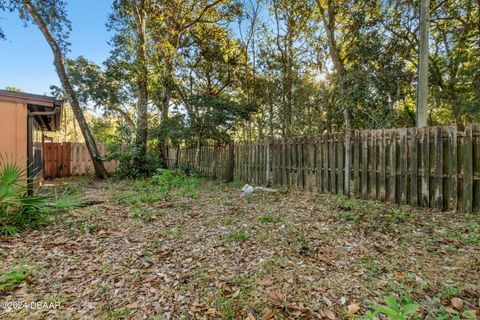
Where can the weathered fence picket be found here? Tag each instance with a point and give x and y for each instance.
(467, 187)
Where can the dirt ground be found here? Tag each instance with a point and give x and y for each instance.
(205, 252)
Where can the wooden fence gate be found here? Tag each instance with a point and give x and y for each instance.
(57, 159)
(64, 159)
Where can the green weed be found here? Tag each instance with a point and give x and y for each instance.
(345, 203)
(12, 278)
(350, 217)
(265, 218)
(238, 235)
(393, 310)
(228, 221)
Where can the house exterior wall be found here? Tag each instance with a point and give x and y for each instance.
(13, 131)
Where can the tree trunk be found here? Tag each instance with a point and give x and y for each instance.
(167, 94)
(198, 151)
(142, 87)
(329, 25)
(230, 161)
(422, 84)
(59, 64)
(348, 136)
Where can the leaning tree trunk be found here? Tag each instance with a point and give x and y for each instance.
(59, 63)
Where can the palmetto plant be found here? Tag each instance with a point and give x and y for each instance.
(18, 208)
(393, 310)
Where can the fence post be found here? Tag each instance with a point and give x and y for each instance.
(393, 166)
(403, 166)
(267, 162)
(365, 165)
(326, 166)
(453, 168)
(356, 164)
(467, 170)
(439, 168)
(414, 169)
(373, 165)
(348, 138)
(425, 167)
(230, 161)
(383, 167)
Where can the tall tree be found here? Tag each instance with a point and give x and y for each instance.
(130, 21)
(102, 89)
(51, 18)
(170, 23)
(422, 86)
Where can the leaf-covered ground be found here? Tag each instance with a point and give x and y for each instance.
(202, 251)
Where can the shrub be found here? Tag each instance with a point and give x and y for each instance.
(167, 179)
(18, 208)
(345, 203)
(126, 168)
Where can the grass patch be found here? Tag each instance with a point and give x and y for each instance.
(265, 218)
(350, 217)
(238, 235)
(228, 221)
(165, 185)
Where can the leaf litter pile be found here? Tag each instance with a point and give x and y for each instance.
(200, 250)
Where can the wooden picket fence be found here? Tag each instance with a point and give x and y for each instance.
(212, 164)
(64, 159)
(436, 167)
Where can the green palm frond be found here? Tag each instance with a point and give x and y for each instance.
(10, 174)
(8, 230)
(18, 208)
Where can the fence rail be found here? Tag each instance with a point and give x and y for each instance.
(436, 167)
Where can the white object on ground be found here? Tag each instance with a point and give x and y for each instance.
(262, 189)
(248, 189)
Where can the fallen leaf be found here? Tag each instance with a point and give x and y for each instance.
(132, 305)
(268, 315)
(265, 282)
(327, 301)
(457, 303)
(250, 317)
(211, 311)
(400, 275)
(450, 310)
(329, 314)
(277, 298)
(236, 293)
(473, 313)
(353, 308)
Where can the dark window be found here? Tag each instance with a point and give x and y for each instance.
(37, 149)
